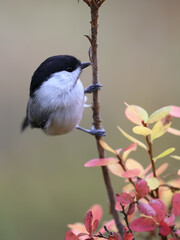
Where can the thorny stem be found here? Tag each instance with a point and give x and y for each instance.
(94, 7)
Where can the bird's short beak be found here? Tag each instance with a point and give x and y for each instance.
(84, 65)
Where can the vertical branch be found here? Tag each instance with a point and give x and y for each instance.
(152, 161)
(94, 7)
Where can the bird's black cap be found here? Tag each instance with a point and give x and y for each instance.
(52, 65)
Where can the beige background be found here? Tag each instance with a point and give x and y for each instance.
(43, 183)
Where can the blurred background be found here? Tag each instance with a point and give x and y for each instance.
(43, 183)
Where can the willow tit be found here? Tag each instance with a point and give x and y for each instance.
(56, 98)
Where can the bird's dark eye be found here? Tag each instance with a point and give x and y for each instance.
(69, 69)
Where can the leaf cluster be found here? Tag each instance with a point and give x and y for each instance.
(141, 202)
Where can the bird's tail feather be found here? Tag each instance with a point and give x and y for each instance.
(25, 124)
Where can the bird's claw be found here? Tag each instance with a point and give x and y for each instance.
(98, 132)
(92, 88)
(93, 131)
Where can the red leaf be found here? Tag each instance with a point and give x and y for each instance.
(131, 209)
(141, 188)
(146, 209)
(88, 222)
(131, 173)
(70, 236)
(128, 236)
(115, 237)
(100, 162)
(164, 229)
(176, 204)
(124, 198)
(159, 208)
(143, 224)
(95, 224)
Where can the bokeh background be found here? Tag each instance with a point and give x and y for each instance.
(43, 183)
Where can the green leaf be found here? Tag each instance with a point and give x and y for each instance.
(141, 130)
(153, 183)
(159, 114)
(165, 153)
(161, 127)
(132, 139)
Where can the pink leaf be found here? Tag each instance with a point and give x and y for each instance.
(118, 207)
(100, 162)
(110, 224)
(131, 173)
(143, 224)
(170, 220)
(176, 204)
(175, 111)
(129, 149)
(96, 212)
(136, 114)
(124, 198)
(70, 236)
(116, 169)
(141, 188)
(173, 131)
(146, 209)
(164, 229)
(159, 208)
(88, 222)
(131, 209)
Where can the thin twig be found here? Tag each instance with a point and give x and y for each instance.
(125, 218)
(94, 7)
(172, 188)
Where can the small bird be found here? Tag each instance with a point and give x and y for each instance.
(56, 98)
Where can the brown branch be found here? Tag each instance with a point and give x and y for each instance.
(172, 188)
(155, 192)
(94, 7)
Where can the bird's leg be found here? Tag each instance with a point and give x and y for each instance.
(93, 131)
(92, 88)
